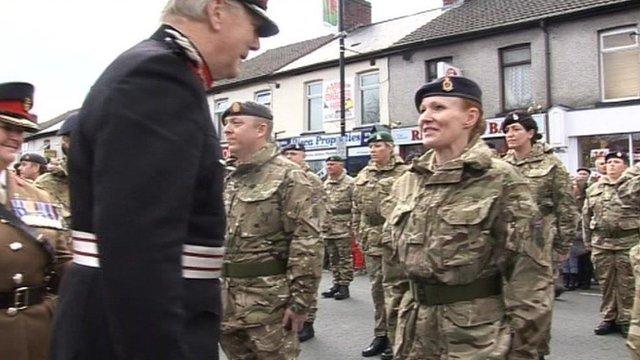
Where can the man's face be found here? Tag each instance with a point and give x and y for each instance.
(238, 28)
(66, 141)
(615, 168)
(296, 156)
(601, 165)
(334, 168)
(10, 143)
(29, 170)
(243, 133)
(583, 174)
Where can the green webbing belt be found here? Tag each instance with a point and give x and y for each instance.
(617, 234)
(440, 294)
(247, 270)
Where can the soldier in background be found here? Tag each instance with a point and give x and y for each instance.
(610, 231)
(337, 231)
(468, 235)
(550, 185)
(271, 266)
(56, 180)
(601, 170)
(33, 249)
(32, 165)
(368, 222)
(629, 194)
(297, 154)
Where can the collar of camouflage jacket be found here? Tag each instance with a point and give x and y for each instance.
(261, 157)
(395, 161)
(339, 179)
(476, 156)
(538, 152)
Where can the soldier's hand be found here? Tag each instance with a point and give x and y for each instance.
(292, 321)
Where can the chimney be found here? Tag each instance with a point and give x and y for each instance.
(448, 4)
(356, 13)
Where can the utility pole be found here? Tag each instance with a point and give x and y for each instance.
(341, 145)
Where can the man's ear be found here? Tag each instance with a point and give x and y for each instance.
(215, 10)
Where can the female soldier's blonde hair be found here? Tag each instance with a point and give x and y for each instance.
(481, 125)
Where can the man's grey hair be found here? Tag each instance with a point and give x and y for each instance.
(190, 9)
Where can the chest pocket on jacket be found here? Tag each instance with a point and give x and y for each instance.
(595, 203)
(463, 237)
(408, 233)
(259, 210)
(368, 197)
(541, 183)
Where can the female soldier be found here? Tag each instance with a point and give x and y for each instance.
(550, 186)
(32, 245)
(468, 235)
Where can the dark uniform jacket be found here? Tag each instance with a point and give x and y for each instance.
(27, 262)
(146, 178)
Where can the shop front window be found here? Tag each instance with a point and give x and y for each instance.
(591, 147)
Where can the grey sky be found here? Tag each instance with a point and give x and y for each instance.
(62, 46)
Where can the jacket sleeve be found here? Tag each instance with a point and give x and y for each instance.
(587, 214)
(355, 210)
(304, 266)
(566, 211)
(145, 162)
(527, 273)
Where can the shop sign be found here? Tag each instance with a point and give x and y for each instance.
(331, 100)
(317, 142)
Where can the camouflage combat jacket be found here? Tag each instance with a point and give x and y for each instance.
(339, 195)
(367, 197)
(629, 189)
(551, 187)
(318, 199)
(470, 218)
(56, 183)
(269, 217)
(608, 222)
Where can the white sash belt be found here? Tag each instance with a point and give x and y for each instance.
(198, 262)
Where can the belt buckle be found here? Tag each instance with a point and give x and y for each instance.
(21, 298)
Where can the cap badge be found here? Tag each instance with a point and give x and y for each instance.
(447, 85)
(236, 107)
(27, 104)
(516, 117)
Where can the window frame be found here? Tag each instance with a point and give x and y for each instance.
(602, 51)
(308, 98)
(217, 116)
(361, 88)
(259, 93)
(502, 65)
(447, 59)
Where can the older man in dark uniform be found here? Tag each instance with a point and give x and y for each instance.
(145, 176)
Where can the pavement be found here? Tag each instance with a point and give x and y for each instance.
(344, 328)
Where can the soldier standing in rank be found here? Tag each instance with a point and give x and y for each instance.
(611, 229)
(550, 185)
(148, 242)
(33, 247)
(629, 194)
(56, 181)
(271, 266)
(368, 221)
(31, 166)
(468, 235)
(337, 230)
(297, 154)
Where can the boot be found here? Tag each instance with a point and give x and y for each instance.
(573, 281)
(378, 345)
(307, 332)
(343, 292)
(331, 292)
(606, 327)
(387, 354)
(558, 291)
(567, 280)
(624, 330)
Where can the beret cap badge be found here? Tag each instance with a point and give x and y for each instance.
(236, 107)
(27, 104)
(447, 85)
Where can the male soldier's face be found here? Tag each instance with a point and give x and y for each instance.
(29, 170)
(517, 136)
(334, 168)
(244, 134)
(296, 156)
(615, 168)
(583, 174)
(601, 165)
(380, 152)
(238, 28)
(10, 143)
(444, 121)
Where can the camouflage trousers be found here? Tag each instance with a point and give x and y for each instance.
(313, 308)
(374, 269)
(615, 275)
(266, 342)
(395, 286)
(475, 330)
(339, 252)
(633, 339)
